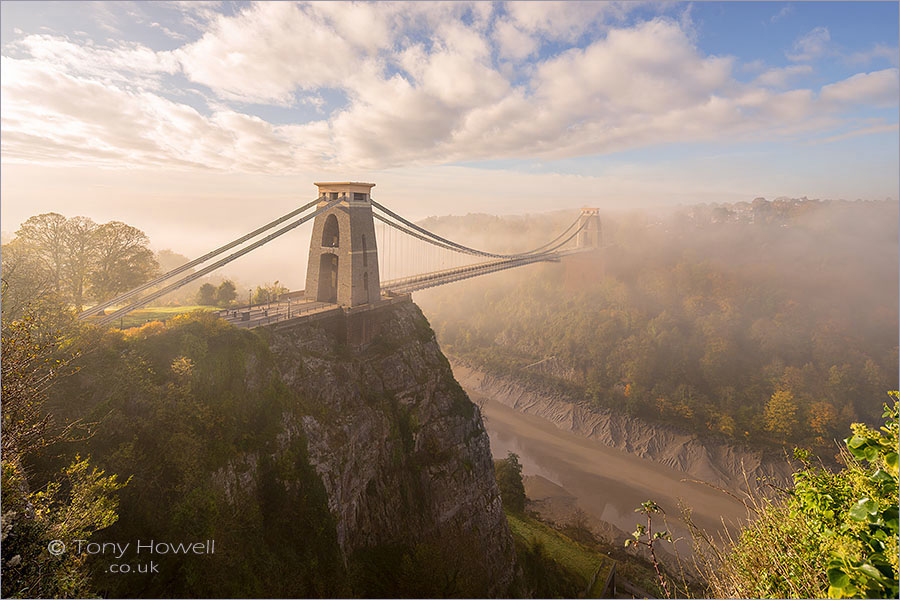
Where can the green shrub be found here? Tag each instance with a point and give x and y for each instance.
(833, 535)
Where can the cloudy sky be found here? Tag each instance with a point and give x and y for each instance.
(196, 121)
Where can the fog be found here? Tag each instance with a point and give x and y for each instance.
(696, 315)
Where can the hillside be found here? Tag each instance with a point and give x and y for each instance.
(317, 469)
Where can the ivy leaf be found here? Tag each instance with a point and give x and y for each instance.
(872, 572)
(862, 509)
(880, 476)
(855, 441)
(837, 578)
(891, 460)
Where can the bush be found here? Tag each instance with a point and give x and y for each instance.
(833, 535)
(509, 479)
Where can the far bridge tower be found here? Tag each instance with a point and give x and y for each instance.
(343, 258)
(590, 235)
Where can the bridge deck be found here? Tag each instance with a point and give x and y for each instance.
(273, 312)
(299, 310)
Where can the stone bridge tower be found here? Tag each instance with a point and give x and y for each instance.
(590, 236)
(343, 258)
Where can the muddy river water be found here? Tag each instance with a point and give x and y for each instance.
(608, 483)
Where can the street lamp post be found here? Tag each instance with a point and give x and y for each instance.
(250, 298)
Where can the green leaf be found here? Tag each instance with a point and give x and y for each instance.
(856, 441)
(872, 572)
(891, 460)
(837, 578)
(880, 476)
(861, 510)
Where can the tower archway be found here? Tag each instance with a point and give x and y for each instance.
(331, 233)
(328, 278)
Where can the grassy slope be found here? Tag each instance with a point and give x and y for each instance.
(571, 555)
(158, 313)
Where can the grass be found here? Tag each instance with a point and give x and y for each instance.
(571, 555)
(158, 313)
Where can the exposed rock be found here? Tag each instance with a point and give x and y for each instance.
(400, 448)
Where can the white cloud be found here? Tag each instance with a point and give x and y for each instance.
(50, 116)
(169, 32)
(127, 62)
(425, 84)
(869, 130)
(513, 42)
(197, 13)
(811, 45)
(780, 77)
(267, 52)
(565, 20)
(878, 51)
(879, 88)
(785, 10)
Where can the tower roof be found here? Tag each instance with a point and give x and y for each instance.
(333, 184)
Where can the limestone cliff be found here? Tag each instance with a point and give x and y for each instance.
(400, 448)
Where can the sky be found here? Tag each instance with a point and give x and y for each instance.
(197, 121)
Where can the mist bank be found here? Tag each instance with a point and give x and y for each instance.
(768, 323)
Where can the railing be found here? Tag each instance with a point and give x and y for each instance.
(266, 314)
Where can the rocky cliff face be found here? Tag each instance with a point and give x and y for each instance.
(401, 450)
(721, 464)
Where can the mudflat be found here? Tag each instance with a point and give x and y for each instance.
(607, 483)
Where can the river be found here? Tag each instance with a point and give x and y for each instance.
(607, 483)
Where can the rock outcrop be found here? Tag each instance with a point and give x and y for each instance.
(401, 450)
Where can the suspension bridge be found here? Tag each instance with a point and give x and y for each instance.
(355, 265)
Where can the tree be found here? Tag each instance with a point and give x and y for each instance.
(226, 293)
(80, 242)
(44, 235)
(123, 260)
(206, 295)
(24, 278)
(822, 418)
(268, 293)
(169, 260)
(781, 414)
(508, 472)
(39, 515)
(81, 258)
(832, 535)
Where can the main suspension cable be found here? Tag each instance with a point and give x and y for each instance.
(457, 247)
(177, 284)
(176, 271)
